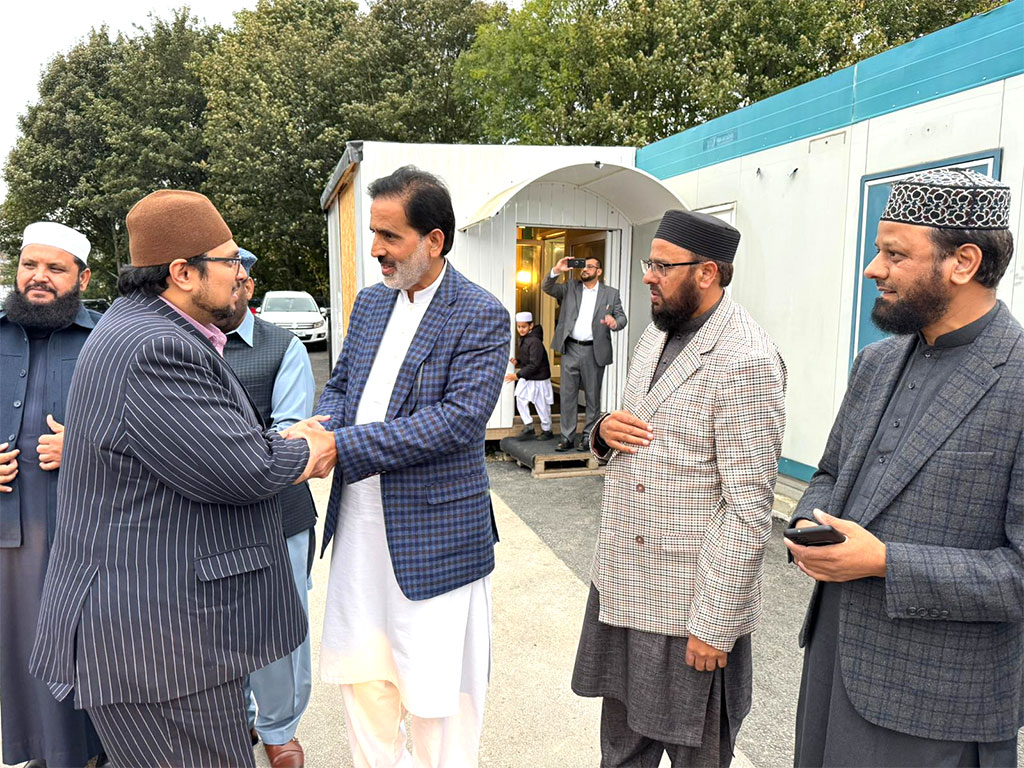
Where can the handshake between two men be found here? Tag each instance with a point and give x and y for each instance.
(323, 452)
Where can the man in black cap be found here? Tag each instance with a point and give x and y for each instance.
(914, 638)
(691, 460)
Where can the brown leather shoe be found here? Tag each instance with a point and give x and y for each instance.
(288, 755)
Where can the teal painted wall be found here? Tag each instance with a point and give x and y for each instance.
(977, 51)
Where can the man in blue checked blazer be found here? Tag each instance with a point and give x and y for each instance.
(914, 638)
(407, 626)
(169, 580)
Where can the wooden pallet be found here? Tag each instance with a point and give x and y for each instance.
(569, 464)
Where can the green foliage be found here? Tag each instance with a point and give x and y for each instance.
(293, 82)
(634, 71)
(115, 119)
(256, 116)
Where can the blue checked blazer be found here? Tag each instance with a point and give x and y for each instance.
(430, 449)
(169, 574)
(936, 648)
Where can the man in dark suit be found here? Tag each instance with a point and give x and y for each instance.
(43, 326)
(169, 580)
(407, 625)
(914, 639)
(590, 311)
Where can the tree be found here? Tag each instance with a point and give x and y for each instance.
(116, 119)
(296, 79)
(634, 71)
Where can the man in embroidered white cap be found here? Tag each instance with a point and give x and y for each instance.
(533, 378)
(43, 326)
(914, 638)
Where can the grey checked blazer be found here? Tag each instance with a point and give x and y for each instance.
(570, 295)
(684, 521)
(936, 649)
(168, 573)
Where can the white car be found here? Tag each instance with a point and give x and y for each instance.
(295, 311)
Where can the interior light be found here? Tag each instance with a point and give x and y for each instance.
(524, 277)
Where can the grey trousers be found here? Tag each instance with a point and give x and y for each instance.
(204, 729)
(579, 367)
(622, 747)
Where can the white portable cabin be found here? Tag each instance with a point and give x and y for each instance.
(805, 175)
(517, 209)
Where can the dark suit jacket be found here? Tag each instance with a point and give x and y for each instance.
(168, 574)
(936, 649)
(64, 346)
(570, 295)
(430, 449)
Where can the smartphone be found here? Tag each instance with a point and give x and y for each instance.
(814, 536)
(577, 263)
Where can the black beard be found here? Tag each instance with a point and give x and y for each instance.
(50, 316)
(919, 307)
(675, 312)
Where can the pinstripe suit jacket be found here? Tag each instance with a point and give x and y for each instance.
(168, 573)
(684, 521)
(430, 449)
(936, 648)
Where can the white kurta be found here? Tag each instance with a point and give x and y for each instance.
(433, 649)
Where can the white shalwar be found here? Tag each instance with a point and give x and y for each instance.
(541, 395)
(392, 655)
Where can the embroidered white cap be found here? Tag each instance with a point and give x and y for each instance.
(524, 317)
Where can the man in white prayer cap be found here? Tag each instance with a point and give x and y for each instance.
(532, 377)
(43, 326)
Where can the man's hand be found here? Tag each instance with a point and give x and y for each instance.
(51, 447)
(561, 266)
(323, 451)
(623, 431)
(510, 377)
(862, 554)
(299, 428)
(8, 467)
(704, 657)
(513, 361)
(609, 321)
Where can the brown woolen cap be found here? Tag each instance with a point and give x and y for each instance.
(173, 224)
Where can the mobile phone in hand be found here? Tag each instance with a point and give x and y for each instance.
(814, 536)
(577, 263)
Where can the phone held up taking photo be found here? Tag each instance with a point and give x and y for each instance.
(814, 536)
(577, 263)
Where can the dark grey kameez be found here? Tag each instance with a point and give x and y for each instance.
(829, 731)
(35, 725)
(654, 702)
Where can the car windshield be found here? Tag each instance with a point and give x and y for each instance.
(290, 304)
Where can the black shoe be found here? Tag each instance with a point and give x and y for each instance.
(525, 434)
(564, 445)
(545, 435)
(583, 444)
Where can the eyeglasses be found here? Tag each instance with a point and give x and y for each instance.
(235, 261)
(660, 268)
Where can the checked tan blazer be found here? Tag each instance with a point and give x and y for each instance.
(684, 521)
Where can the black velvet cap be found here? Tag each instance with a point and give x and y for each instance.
(700, 233)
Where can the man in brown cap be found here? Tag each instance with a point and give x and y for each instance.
(692, 459)
(169, 580)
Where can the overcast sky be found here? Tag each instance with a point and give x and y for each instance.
(37, 30)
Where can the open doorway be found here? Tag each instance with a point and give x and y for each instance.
(538, 249)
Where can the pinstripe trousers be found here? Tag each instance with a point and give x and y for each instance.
(203, 730)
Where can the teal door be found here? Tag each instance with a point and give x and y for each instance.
(873, 196)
